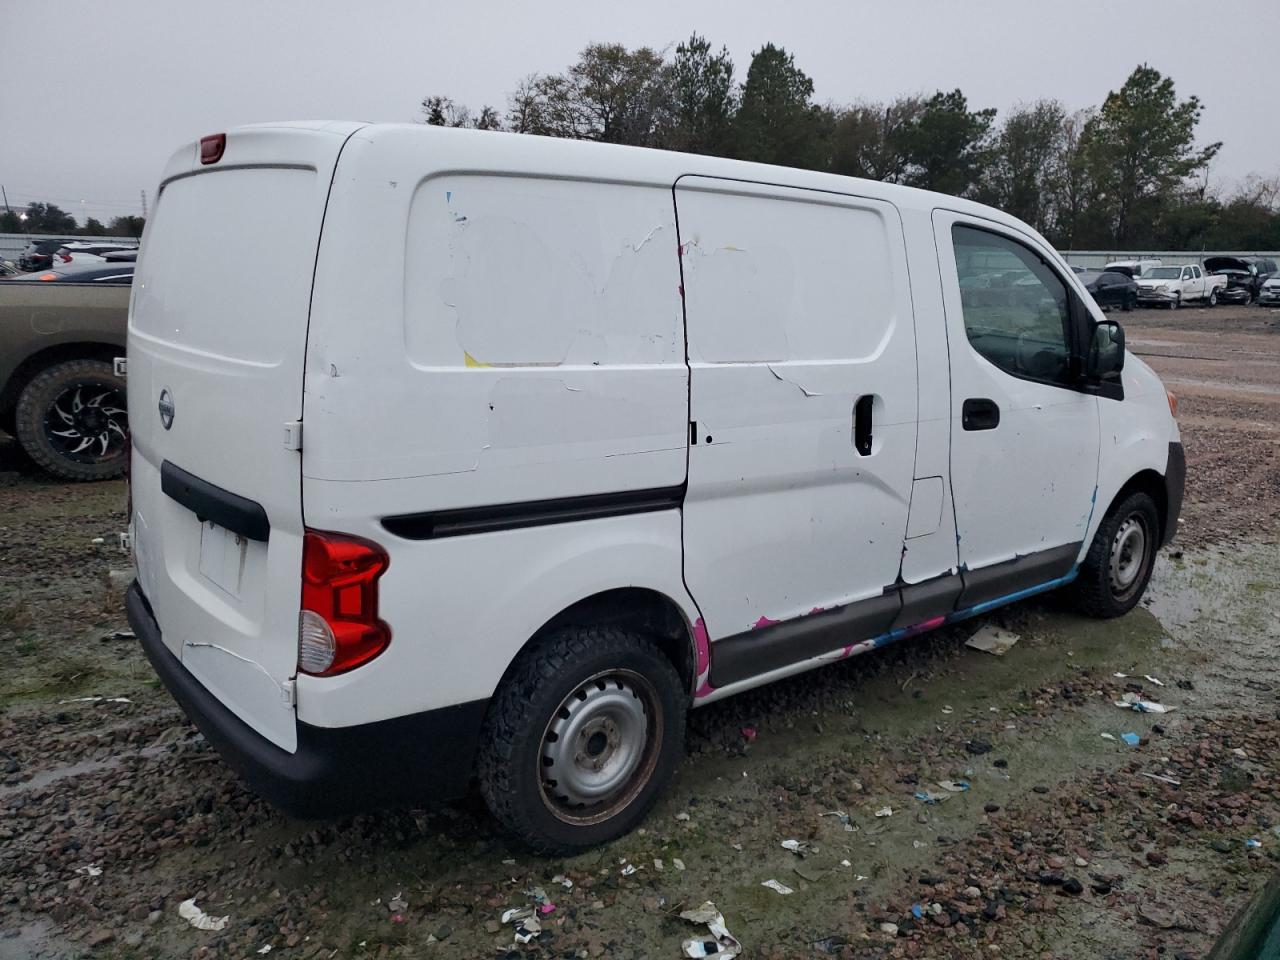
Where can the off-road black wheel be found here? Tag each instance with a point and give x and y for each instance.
(73, 421)
(581, 738)
(1118, 566)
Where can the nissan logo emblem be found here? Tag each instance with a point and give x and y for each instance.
(166, 408)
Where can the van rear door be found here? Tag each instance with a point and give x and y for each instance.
(217, 340)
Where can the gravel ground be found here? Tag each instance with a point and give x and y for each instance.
(113, 813)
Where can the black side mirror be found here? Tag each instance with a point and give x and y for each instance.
(1106, 352)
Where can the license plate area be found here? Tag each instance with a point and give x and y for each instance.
(222, 557)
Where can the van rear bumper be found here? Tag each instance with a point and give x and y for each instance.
(417, 759)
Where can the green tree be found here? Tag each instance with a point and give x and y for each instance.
(947, 146)
(866, 139)
(93, 228)
(703, 99)
(48, 218)
(10, 222)
(126, 227)
(1140, 149)
(441, 111)
(776, 121)
(611, 94)
(1026, 172)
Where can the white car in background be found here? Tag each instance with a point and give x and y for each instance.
(1174, 286)
(85, 253)
(1270, 294)
(1132, 268)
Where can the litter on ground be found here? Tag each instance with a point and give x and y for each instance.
(96, 700)
(774, 885)
(885, 812)
(954, 786)
(1132, 739)
(1162, 778)
(993, 640)
(843, 818)
(1131, 701)
(722, 942)
(189, 912)
(928, 796)
(801, 848)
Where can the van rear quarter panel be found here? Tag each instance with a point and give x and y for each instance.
(507, 336)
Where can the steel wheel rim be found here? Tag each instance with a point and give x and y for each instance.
(1128, 554)
(600, 747)
(88, 422)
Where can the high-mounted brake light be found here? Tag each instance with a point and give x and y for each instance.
(211, 147)
(338, 628)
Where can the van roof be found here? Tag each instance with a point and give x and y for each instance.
(479, 151)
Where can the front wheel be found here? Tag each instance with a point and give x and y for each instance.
(1130, 302)
(581, 738)
(1117, 568)
(1213, 297)
(72, 420)
(1173, 304)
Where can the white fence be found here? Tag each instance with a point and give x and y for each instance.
(1096, 259)
(11, 244)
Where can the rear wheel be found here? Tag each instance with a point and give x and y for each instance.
(73, 421)
(1118, 566)
(581, 738)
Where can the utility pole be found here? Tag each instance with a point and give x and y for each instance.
(6, 199)
(144, 204)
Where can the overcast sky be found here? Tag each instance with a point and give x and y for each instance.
(94, 96)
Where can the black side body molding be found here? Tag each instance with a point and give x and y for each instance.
(758, 651)
(1020, 573)
(930, 598)
(208, 502)
(459, 522)
(420, 758)
(1175, 481)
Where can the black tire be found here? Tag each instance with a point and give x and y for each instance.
(68, 398)
(1100, 591)
(1213, 297)
(1175, 302)
(1130, 302)
(514, 762)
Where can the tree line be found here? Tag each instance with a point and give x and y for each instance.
(50, 218)
(1126, 174)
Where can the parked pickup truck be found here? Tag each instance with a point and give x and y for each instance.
(59, 394)
(1174, 286)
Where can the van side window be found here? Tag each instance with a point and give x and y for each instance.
(1016, 310)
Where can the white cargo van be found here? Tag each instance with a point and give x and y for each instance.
(470, 454)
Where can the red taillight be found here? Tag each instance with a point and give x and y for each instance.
(211, 147)
(339, 627)
(66, 257)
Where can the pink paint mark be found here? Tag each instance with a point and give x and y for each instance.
(702, 643)
(680, 287)
(926, 625)
(853, 648)
(748, 733)
(816, 610)
(546, 908)
(764, 622)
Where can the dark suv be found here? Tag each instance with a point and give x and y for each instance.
(38, 254)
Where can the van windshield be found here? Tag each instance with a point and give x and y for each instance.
(1164, 273)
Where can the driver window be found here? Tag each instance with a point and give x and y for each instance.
(1015, 307)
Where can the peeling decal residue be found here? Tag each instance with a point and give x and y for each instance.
(703, 645)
